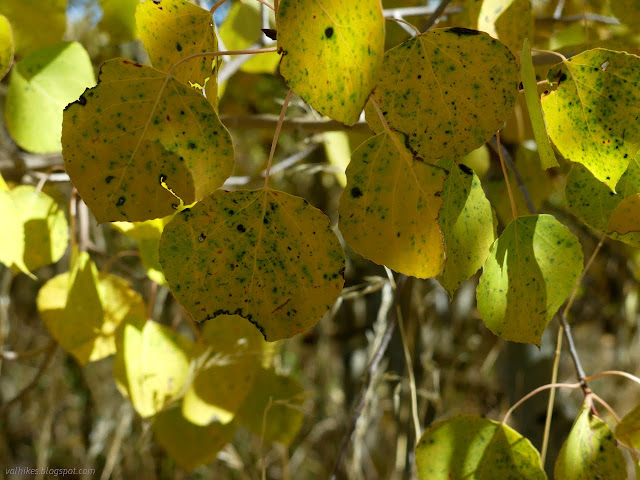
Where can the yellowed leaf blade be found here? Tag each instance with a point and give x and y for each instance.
(265, 255)
(137, 144)
(118, 19)
(509, 21)
(389, 208)
(6, 46)
(626, 217)
(331, 52)
(628, 430)
(35, 23)
(12, 238)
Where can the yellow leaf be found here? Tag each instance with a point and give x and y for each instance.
(338, 151)
(510, 21)
(331, 53)
(12, 238)
(118, 19)
(138, 144)
(35, 23)
(449, 90)
(628, 430)
(388, 210)
(6, 46)
(265, 255)
(626, 217)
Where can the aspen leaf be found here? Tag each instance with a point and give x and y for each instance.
(40, 87)
(471, 447)
(338, 151)
(189, 444)
(277, 399)
(529, 274)
(138, 144)
(626, 217)
(449, 90)
(389, 208)
(265, 255)
(6, 46)
(590, 451)
(118, 19)
(151, 364)
(534, 106)
(229, 352)
(331, 53)
(509, 21)
(596, 95)
(83, 308)
(35, 23)
(171, 30)
(468, 225)
(628, 430)
(149, 256)
(12, 238)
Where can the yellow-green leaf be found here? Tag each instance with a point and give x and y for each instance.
(468, 225)
(596, 95)
(228, 356)
(510, 21)
(149, 256)
(626, 217)
(449, 90)
(338, 152)
(628, 430)
(171, 30)
(529, 274)
(189, 444)
(6, 46)
(331, 52)
(265, 255)
(40, 87)
(35, 23)
(388, 210)
(590, 451)
(277, 399)
(534, 106)
(118, 19)
(470, 447)
(137, 144)
(12, 238)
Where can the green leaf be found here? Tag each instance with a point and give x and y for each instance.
(148, 142)
(118, 19)
(35, 23)
(265, 255)
(272, 409)
(596, 95)
(590, 451)
(388, 210)
(6, 46)
(534, 106)
(509, 21)
(468, 225)
(529, 274)
(331, 53)
(626, 217)
(449, 90)
(628, 430)
(470, 447)
(40, 87)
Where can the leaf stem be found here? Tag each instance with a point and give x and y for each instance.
(266, 4)
(613, 372)
(605, 405)
(276, 135)
(383, 120)
(220, 54)
(514, 210)
(535, 392)
(401, 21)
(216, 5)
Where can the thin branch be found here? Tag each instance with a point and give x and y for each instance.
(435, 16)
(402, 12)
(512, 201)
(592, 17)
(613, 372)
(10, 355)
(509, 161)
(305, 124)
(406, 26)
(574, 352)
(607, 406)
(276, 135)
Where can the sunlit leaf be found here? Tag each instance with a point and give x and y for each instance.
(137, 144)
(35, 23)
(628, 430)
(597, 94)
(338, 151)
(590, 451)
(6, 46)
(389, 208)
(626, 217)
(118, 19)
(12, 238)
(265, 255)
(470, 447)
(529, 274)
(509, 21)
(449, 90)
(331, 52)
(40, 87)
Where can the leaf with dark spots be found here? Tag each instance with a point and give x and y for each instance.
(462, 32)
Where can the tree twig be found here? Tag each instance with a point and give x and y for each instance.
(435, 16)
(305, 124)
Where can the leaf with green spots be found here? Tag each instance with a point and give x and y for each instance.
(171, 30)
(263, 254)
(331, 53)
(35, 23)
(6, 46)
(449, 90)
(189, 444)
(598, 94)
(627, 11)
(534, 106)
(594, 203)
(389, 208)
(228, 356)
(628, 430)
(277, 399)
(118, 19)
(468, 225)
(510, 21)
(40, 87)
(151, 364)
(626, 217)
(590, 451)
(46, 231)
(529, 274)
(83, 308)
(138, 144)
(470, 447)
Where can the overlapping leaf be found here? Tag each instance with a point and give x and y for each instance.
(474, 447)
(529, 274)
(590, 451)
(118, 19)
(597, 96)
(449, 90)
(35, 23)
(331, 52)
(6, 46)
(389, 208)
(510, 21)
(626, 217)
(265, 255)
(40, 87)
(628, 430)
(139, 144)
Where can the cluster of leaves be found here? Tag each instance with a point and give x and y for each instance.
(146, 150)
